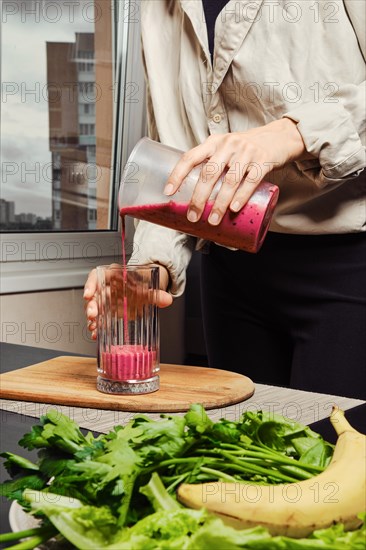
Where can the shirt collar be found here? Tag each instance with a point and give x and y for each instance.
(232, 26)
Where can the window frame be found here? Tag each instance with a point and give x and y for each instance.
(61, 260)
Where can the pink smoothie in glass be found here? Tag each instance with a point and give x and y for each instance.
(129, 362)
(244, 230)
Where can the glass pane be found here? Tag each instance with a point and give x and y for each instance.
(57, 115)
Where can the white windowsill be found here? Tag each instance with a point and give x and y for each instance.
(34, 262)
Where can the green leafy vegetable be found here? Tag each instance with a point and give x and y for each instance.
(117, 491)
(198, 420)
(177, 529)
(158, 495)
(58, 430)
(14, 462)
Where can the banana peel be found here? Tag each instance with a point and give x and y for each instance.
(296, 509)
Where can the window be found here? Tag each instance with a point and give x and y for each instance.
(85, 67)
(86, 54)
(92, 214)
(87, 130)
(67, 128)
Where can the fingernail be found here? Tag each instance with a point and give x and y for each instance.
(168, 189)
(89, 312)
(192, 216)
(214, 218)
(86, 292)
(235, 207)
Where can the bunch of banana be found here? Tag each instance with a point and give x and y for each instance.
(336, 495)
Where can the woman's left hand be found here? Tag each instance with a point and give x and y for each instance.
(163, 298)
(247, 157)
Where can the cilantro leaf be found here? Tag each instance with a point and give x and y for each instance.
(198, 420)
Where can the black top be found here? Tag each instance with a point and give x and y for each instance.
(212, 9)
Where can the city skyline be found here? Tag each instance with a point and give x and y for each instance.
(12, 220)
(26, 156)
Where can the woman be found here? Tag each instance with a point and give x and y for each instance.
(275, 91)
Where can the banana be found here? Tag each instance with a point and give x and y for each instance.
(336, 495)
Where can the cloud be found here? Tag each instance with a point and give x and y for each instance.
(28, 25)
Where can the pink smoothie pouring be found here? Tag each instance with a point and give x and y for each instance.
(244, 230)
(125, 320)
(129, 362)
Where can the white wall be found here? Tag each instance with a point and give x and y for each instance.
(55, 320)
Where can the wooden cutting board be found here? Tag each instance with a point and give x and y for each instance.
(72, 381)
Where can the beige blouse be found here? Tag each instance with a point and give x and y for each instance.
(302, 59)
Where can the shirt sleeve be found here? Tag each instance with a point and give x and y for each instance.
(334, 132)
(154, 244)
(152, 129)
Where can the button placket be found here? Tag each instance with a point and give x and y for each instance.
(216, 116)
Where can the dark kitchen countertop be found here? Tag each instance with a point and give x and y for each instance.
(15, 422)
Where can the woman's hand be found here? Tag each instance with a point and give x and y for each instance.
(247, 157)
(164, 299)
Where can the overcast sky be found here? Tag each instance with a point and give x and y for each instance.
(24, 116)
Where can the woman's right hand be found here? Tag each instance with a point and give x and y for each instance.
(164, 299)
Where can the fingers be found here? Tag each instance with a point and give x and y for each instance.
(245, 168)
(230, 153)
(253, 178)
(230, 184)
(91, 314)
(130, 302)
(90, 285)
(91, 309)
(163, 299)
(94, 333)
(210, 174)
(188, 161)
(247, 156)
(239, 184)
(91, 306)
(164, 277)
